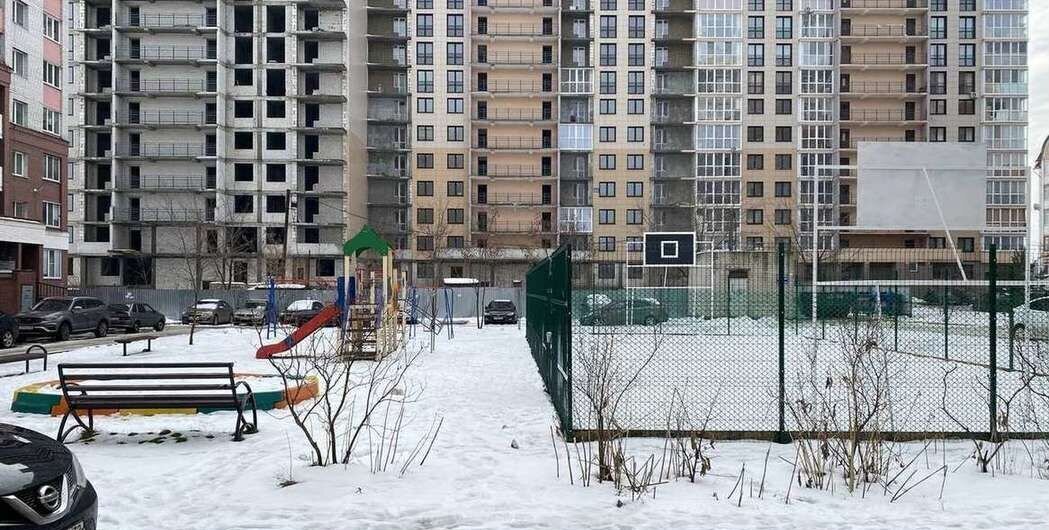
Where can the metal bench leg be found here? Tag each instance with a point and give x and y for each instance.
(125, 349)
(149, 345)
(71, 413)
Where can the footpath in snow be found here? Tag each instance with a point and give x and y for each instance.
(485, 386)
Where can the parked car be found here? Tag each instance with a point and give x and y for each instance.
(252, 314)
(42, 484)
(8, 330)
(301, 311)
(1032, 321)
(503, 311)
(647, 311)
(208, 311)
(135, 316)
(63, 316)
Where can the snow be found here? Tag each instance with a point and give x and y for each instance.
(485, 386)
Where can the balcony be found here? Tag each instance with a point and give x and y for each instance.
(163, 215)
(393, 145)
(674, 6)
(513, 115)
(388, 60)
(854, 142)
(514, 227)
(329, 31)
(168, 54)
(513, 143)
(168, 151)
(390, 200)
(858, 33)
(879, 6)
(882, 116)
(867, 61)
(518, 31)
(514, 87)
(683, 201)
(486, 5)
(171, 118)
(173, 23)
(509, 171)
(387, 115)
(164, 183)
(166, 87)
(392, 6)
(508, 59)
(1005, 116)
(513, 199)
(577, 81)
(682, 89)
(881, 89)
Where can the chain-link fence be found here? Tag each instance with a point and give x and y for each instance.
(548, 325)
(736, 346)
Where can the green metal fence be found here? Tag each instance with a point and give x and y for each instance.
(548, 322)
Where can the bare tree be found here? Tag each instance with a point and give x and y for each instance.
(190, 265)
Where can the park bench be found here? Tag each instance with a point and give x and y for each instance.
(137, 338)
(35, 351)
(95, 387)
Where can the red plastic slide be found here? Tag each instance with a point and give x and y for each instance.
(304, 331)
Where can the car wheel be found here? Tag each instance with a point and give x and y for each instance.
(159, 326)
(64, 329)
(7, 339)
(215, 320)
(101, 329)
(133, 328)
(650, 320)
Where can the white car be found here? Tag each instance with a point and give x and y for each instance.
(1032, 321)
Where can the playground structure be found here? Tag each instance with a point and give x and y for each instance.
(366, 305)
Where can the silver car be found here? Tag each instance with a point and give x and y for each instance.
(1032, 321)
(208, 311)
(252, 314)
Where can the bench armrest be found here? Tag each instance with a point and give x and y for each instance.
(246, 386)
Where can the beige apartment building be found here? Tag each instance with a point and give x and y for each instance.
(499, 128)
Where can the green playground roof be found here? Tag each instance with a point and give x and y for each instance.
(366, 239)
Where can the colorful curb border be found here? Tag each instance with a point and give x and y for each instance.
(28, 399)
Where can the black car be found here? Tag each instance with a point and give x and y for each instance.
(135, 316)
(645, 311)
(42, 486)
(301, 311)
(8, 330)
(63, 316)
(502, 311)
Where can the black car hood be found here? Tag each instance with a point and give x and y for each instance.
(28, 457)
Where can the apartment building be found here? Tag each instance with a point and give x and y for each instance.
(33, 194)
(210, 142)
(537, 122)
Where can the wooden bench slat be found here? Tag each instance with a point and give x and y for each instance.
(68, 366)
(78, 400)
(150, 404)
(76, 387)
(128, 340)
(151, 376)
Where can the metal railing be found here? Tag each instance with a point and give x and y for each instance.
(163, 215)
(172, 21)
(510, 58)
(514, 227)
(513, 199)
(510, 171)
(169, 150)
(513, 86)
(881, 87)
(166, 85)
(523, 115)
(882, 59)
(388, 59)
(513, 142)
(881, 115)
(514, 4)
(883, 30)
(164, 182)
(884, 4)
(517, 30)
(170, 117)
(168, 53)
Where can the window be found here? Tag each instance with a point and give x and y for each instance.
(937, 134)
(607, 83)
(636, 55)
(455, 81)
(966, 134)
(456, 161)
(635, 106)
(607, 106)
(755, 133)
(938, 106)
(424, 25)
(21, 13)
(966, 27)
(607, 56)
(756, 27)
(635, 134)
(276, 204)
(606, 244)
(635, 189)
(276, 141)
(783, 107)
(783, 162)
(424, 53)
(20, 62)
(424, 105)
(455, 133)
(606, 134)
(456, 241)
(424, 188)
(634, 217)
(424, 160)
(454, 105)
(424, 243)
(966, 244)
(455, 188)
(784, 27)
(635, 162)
(18, 161)
(636, 27)
(52, 121)
(424, 4)
(275, 172)
(243, 108)
(783, 83)
(938, 54)
(966, 55)
(755, 55)
(755, 216)
(455, 216)
(52, 168)
(635, 83)
(784, 134)
(243, 204)
(606, 189)
(606, 161)
(755, 162)
(424, 133)
(784, 55)
(52, 74)
(755, 82)
(755, 189)
(781, 217)
(608, 27)
(424, 81)
(784, 5)
(52, 214)
(455, 25)
(52, 28)
(455, 53)
(782, 188)
(755, 106)
(274, 109)
(52, 263)
(606, 217)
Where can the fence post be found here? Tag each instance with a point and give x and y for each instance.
(946, 325)
(1012, 338)
(728, 305)
(992, 363)
(896, 314)
(794, 303)
(781, 277)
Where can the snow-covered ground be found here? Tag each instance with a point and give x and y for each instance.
(485, 386)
